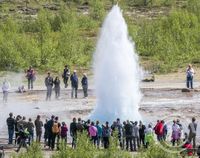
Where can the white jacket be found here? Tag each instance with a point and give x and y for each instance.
(6, 86)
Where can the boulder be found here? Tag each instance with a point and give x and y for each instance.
(186, 90)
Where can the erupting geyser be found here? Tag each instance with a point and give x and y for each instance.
(116, 71)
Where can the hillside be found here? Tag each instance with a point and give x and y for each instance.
(51, 33)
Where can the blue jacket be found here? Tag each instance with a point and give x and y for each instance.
(84, 81)
(74, 80)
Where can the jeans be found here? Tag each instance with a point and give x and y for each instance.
(38, 136)
(30, 137)
(94, 139)
(65, 80)
(5, 96)
(57, 92)
(136, 141)
(74, 89)
(129, 142)
(85, 88)
(190, 82)
(192, 138)
(54, 136)
(49, 90)
(10, 134)
(106, 142)
(22, 144)
(30, 83)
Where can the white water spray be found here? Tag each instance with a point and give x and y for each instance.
(116, 72)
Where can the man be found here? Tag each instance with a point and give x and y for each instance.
(65, 75)
(49, 126)
(23, 135)
(142, 133)
(106, 133)
(74, 84)
(189, 76)
(73, 132)
(30, 75)
(192, 132)
(38, 128)
(129, 134)
(49, 85)
(136, 138)
(30, 128)
(5, 89)
(84, 83)
(99, 133)
(119, 131)
(11, 126)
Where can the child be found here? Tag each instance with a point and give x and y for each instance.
(64, 131)
(188, 149)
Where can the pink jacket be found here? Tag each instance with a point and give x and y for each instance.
(92, 131)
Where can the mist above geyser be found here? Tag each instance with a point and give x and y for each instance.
(116, 72)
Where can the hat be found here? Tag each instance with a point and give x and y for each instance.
(74, 70)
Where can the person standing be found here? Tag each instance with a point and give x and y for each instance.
(192, 132)
(46, 135)
(175, 133)
(84, 83)
(56, 133)
(49, 130)
(106, 133)
(49, 85)
(189, 76)
(5, 89)
(30, 75)
(74, 84)
(129, 135)
(63, 132)
(57, 87)
(142, 133)
(136, 138)
(99, 133)
(165, 131)
(73, 132)
(93, 133)
(149, 136)
(23, 135)
(65, 75)
(30, 128)
(11, 126)
(38, 127)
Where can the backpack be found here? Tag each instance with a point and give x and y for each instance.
(63, 131)
(106, 132)
(55, 128)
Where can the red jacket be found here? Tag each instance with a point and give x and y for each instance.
(159, 128)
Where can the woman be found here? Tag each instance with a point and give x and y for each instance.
(57, 87)
(189, 76)
(175, 133)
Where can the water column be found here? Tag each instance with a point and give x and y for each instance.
(116, 72)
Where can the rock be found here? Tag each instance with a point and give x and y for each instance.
(50, 6)
(185, 90)
(11, 10)
(152, 79)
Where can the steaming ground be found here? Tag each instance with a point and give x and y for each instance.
(162, 99)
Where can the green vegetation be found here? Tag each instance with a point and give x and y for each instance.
(51, 33)
(85, 149)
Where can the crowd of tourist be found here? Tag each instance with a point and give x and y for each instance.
(131, 135)
(51, 84)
